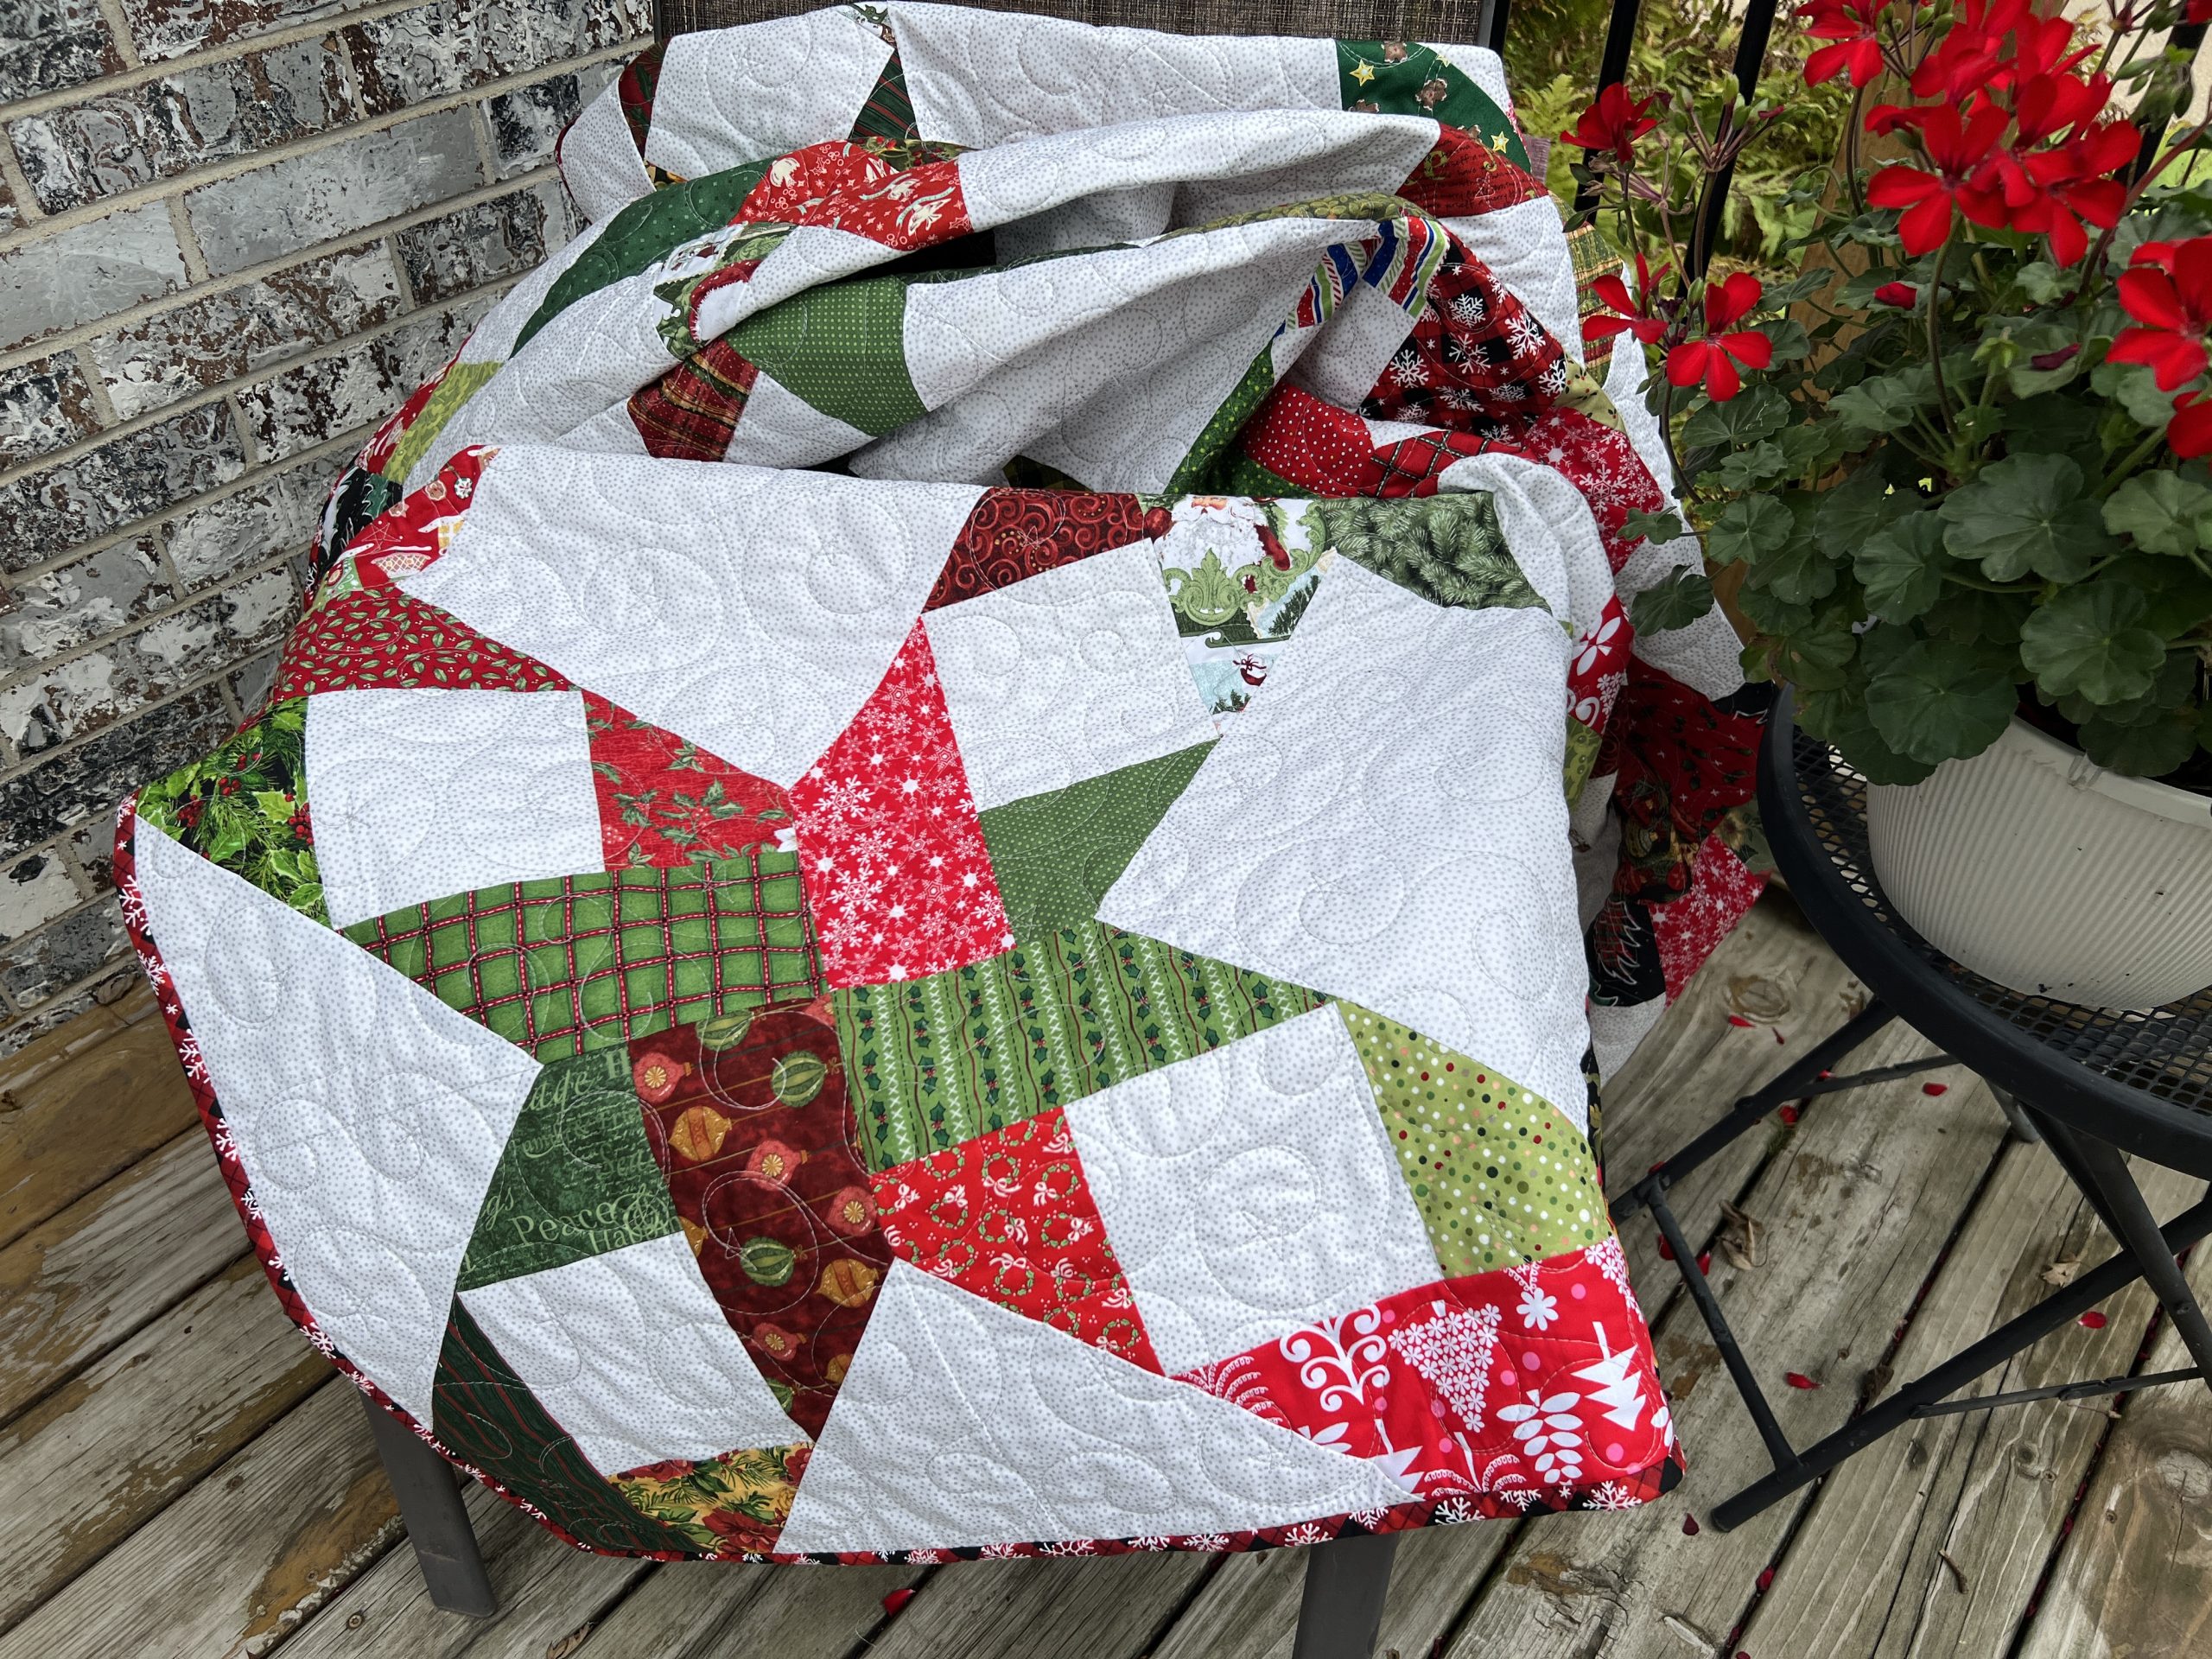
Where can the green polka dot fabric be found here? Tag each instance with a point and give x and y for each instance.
(1499, 1175)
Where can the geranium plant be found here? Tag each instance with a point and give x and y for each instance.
(1960, 459)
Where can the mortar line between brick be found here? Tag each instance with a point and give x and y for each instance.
(250, 445)
(85, 332)
(208, 395)
(46, 757)
(184, 62)
(19, 185)
(188, 243)
(160, 189)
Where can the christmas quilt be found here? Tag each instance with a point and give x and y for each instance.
(957, 830)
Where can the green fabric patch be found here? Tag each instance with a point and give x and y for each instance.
(1406, 77)
(576, 1180)
(1055, 854)
(1582, 746)
(1500, 1178)
(568, 964)
(245, 808)
(939, 1060)
(485, 1414)
(1199, 465)
(460, 384)
(643, 232)
(736, 1503)
(1239, 474)
(888, 115)
(842, 348)
(1448, 548)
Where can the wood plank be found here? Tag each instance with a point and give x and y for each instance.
(1857, 1206)
(712, 1609)
(2133, 1579)
(241, 1559)
(548, 1591)
(81, 1281)
(1773, 970)
(1930, 1542)
(85, 1102)
(83, 1468)
(1072, 1607)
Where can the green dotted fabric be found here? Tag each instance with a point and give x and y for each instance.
(1500, 1178)
(842, 347)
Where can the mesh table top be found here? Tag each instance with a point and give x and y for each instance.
(2154, 1068)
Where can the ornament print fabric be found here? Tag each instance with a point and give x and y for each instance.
(846, 857)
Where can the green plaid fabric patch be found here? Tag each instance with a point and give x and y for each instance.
(563, 966)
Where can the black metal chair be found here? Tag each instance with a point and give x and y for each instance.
(1346, 1582)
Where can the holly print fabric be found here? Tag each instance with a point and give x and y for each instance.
(950, 756)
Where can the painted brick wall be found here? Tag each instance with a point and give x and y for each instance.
(233, 235)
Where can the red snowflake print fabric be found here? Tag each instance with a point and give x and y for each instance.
(665, 801)
(1599, 666)
(382, 637)
(1689, 929)
(1009, 1216)
(1474, 351)
(749, 1121)
(1527, 1385)
(889, 842)
(1682, 762)
(1013, 534)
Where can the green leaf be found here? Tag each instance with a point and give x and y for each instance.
(2163, 512)
(1841, 719)
(2133, 388)
(1797, 572)
(2146, 749)
(1939, 700)
(1856, 509)
(1792, 343)
(1901, 567)
(2026, 513)
(1815, 659)
(2180, 593)
(1886, 402)
(1748, 527)
(2051, 425)
(1657, 528)
(1757, 413)
(273, 804)
(2043, 281)
(1748, 468)
(2091, 639)
(1815, 446)
(1975, 617)
(1675, 601)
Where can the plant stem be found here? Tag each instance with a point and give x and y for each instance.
(1667, 435)
(2133, 459)
(1935, 336)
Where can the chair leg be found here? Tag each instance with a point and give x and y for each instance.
(1341, 1612)
(430, 1502)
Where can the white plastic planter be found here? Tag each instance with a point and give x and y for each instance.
(2038, 868)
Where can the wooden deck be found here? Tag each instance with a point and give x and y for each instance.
(181, 1474)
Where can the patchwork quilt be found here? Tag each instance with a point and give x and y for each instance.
(958, 828)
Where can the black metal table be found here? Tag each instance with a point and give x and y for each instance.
(2091, 1085)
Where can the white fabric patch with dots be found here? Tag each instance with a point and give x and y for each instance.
(1249, 1192)
(632, 1355)
(1387, 824)
(962, 1423)
(368, 1114)
(421, 792)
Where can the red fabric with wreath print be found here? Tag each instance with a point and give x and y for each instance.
(1009, 1216)
(665, 801)
(1508, 1388)
(411, 535)
(1012, 534)
(749, 1121)
(889, 841)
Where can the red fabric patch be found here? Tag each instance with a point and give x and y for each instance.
(1462, 176)
(1600, 669)
(383, 637)
(412, 535)
(1681, 764)
(665, 801)
(889, 842)
(385, 439)
(1016, 533)
(1475, 353)
(907, 210)
(1512, 1386)
(749, 1121)
(1314, 445)
(1689, 929)
(798, 185)
(691, 412)
(1009, 1216)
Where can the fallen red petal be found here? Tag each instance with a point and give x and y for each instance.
(1799, 1380)
(1766, 1578)
(2093, 1319)
(1779, 1038)
(1666, 1251)
(1787, 1114)
(1738, 1019)
(1934, 1088)
(895, 1602)
(1689, 1525)
(1704, 1262)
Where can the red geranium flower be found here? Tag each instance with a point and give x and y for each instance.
(1633, 313)
(1856, 47)
(1708, 360)
(1903, 295)
(1958, 145)
(2167, 289)
(1612, 124)
(2188, 434)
